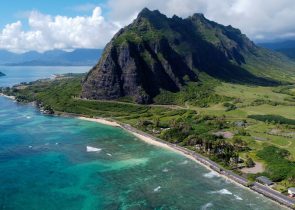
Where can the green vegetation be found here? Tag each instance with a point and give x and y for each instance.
(196, 94)
(279, 167)
(273, 119)
(249, 127)
(249, 162)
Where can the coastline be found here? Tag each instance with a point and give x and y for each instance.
(272, 195)
(6, 96)
(101, 120)
(199, 159)
(144, 137)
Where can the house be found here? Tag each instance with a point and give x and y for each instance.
(291, 191)
(264, 180)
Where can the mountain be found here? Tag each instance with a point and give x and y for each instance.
(77, 57)
(286, 47)
(157, 53)
(287, 44)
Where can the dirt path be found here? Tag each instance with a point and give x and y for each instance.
(258, 168)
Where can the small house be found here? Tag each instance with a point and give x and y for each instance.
(264, 180)
(291, 191)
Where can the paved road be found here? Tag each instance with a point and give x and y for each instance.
(262, 189)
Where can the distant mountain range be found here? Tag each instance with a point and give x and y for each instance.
(156, 53)
(78, 57)
(286, 47)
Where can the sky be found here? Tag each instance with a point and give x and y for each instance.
(42, 25)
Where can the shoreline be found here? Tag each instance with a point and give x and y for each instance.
(101, 121)
(6, 96)
(272, 195)
(197, 158)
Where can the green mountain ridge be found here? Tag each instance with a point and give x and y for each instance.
(157, 53)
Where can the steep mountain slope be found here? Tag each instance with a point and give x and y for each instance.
(51, 58)
(157, 53)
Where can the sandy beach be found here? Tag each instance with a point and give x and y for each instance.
(144, 138)
(151, 140)
(6, 96)
(101, 120)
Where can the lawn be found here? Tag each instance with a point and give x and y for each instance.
(247, 94)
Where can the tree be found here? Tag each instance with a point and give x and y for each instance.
(156, 122)
(249, 163)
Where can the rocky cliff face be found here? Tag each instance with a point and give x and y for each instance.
(156, 52)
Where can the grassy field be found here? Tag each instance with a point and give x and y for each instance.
(191, 123)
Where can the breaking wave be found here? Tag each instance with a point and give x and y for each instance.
(238, 197)
(222, 192)
(157, 189)
(92, 149)
(206, 206)
(211, 174)
(165, 170)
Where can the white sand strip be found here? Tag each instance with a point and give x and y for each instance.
(101, 120)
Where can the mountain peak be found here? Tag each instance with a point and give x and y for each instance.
(147, 13)
(199, 15)
(157, 53)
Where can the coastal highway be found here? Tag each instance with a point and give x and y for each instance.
(257, 187)
(274, 195)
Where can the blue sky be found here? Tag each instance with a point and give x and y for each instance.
(14, 10)
(42, 25)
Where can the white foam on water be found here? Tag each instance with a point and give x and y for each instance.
(184, 162)
(225, 192)
(157, 189)
(206, 206)
(238, 197)
(56, 143)
(28, 117)
(222, 192)
(92, 149)
(211, 174)
(109, 154)
(165, 170)
(30, 147)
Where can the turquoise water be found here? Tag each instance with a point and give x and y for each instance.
(44, 164)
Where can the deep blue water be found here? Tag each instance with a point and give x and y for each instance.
(44, 164)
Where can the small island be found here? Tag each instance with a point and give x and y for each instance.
(2, 74)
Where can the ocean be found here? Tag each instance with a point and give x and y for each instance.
(51, 163)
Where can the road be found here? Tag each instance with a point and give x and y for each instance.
(257, 187)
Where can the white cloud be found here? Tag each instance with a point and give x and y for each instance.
(58, 32)
(259, 19)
